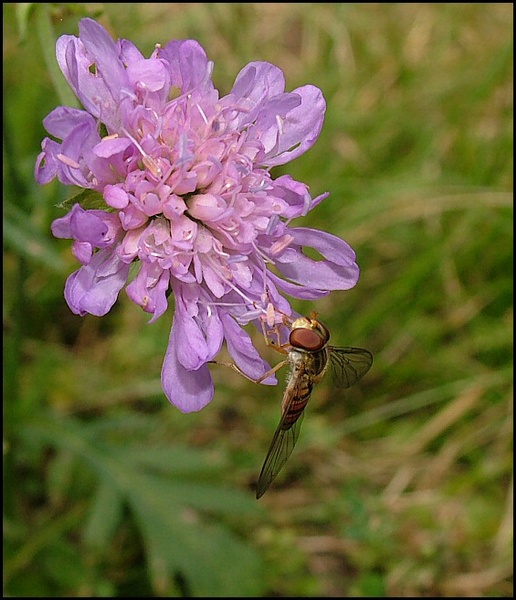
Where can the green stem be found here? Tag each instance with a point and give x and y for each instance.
(47, 38)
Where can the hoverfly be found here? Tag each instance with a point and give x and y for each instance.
(308, 356)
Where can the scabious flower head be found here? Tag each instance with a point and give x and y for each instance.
(187, 195)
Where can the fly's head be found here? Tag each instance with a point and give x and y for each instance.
(307, 333)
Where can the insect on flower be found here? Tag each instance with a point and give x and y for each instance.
(308, 356)
(177, 198)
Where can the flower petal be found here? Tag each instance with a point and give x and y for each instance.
(242, 351)
(295, 194)
(338, 272)
(300, 128)
(199, 331)
(105, 54)
(63, 120)
(75, 156)
(258, 80)
(97, 227)
(94, 288)
(296, 290)
(192, 348)
(150, 74)
(188, 390)
(83, 251)
(46, 164)
(189, 65)
(149, 289)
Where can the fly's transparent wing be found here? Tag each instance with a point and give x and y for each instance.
(280, 449)
(297, 394)
(348, 365)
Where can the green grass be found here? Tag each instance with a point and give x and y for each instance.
(401, 486)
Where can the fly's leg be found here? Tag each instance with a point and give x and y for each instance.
(274, 342)
(272, 335)
(269, 340)
(271, 320)
(238, 370)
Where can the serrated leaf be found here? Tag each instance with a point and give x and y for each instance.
(215, 498)
(183, 468)
(59, 477)
(204, 554)
(170, 460)
(104, 518)
(87, 199)
(179, 539)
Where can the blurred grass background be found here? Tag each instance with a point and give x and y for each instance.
(402, 486)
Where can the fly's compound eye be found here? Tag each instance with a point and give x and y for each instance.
(307, 339)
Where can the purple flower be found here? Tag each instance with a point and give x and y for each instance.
(187, 194)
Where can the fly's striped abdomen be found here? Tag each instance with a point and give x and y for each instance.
(297, 405)
(307, 368)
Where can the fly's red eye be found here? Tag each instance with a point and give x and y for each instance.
(306, 339)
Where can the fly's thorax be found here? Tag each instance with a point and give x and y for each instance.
(297, 359)
(311, 364)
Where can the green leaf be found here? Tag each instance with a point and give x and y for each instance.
(105, 516)
(370, 585)
(24, 236)
(63, 564)
(59, 479)
(170, 460)
(87, 199)
(206, 555)
(47, 37)
(180, 540)
(23, 10)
